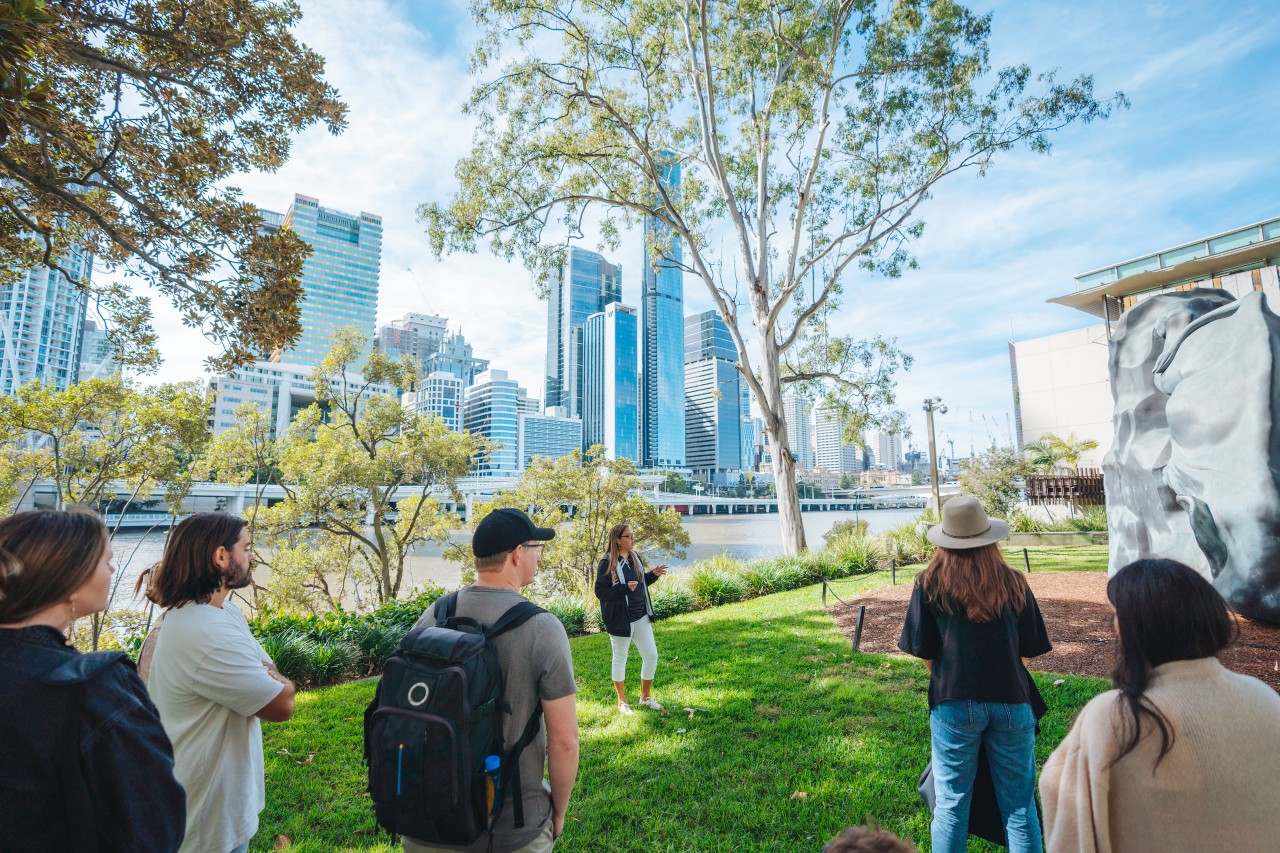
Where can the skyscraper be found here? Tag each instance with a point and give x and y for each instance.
(492, 409)
(41, 323)
(339, 278)
(551, 435)
(716, 399)
(662, 362)
(97, 356)
(831, 451)
(439, 394)
(799, 431)
(415, 335)
(888, 450)
(587, 284)
(611, 404)
(455, 358)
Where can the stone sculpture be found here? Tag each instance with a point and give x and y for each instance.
(1193, 473)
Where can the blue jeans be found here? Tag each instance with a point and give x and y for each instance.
(961, 728)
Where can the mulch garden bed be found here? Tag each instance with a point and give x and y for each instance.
(1078, 617)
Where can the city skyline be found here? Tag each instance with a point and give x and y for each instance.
(1188, 159)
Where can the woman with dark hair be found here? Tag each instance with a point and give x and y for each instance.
(622, 585)
(974, 622)
(1183, 754)
(84, 762)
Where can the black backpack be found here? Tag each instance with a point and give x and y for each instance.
(436, 715)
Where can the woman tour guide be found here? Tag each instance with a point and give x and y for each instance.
(622, 585)
(974, 622)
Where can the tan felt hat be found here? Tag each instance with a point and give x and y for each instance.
(965, 525)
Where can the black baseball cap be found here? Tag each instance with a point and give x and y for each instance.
(504, 529)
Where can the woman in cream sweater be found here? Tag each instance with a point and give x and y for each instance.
(1184, 754)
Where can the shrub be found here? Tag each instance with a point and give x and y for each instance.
(712, 585)
(374, 643)
(670, 599)
(763, 577)
(292, 652)
(571, 611)
(330, 661)
(907, 544)
(819, 564)
(1021, 522)
(1090, 519)
(857, 554)
(848, 527)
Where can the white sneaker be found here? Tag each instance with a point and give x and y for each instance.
(651, 703)
(624, 709)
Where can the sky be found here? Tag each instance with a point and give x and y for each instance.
(1193, 156)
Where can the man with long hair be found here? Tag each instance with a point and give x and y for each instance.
(212, 682)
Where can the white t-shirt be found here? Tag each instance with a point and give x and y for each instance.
(207, 680)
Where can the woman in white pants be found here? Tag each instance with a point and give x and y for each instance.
(622, 585)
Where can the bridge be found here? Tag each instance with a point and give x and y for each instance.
(477, 490)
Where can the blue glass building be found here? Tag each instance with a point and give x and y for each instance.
(339, 279)
(587, 284)
(492, 409)
(662, 427)
(611, 405)
(42, 324)
(717, 401)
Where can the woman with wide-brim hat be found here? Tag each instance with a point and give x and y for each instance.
(974, 622)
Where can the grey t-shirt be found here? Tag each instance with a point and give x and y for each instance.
(536, 665)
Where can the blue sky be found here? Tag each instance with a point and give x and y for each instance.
(1194, 155)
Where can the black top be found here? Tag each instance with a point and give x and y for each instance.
(84, 761)
(975, 660)
(617, 603)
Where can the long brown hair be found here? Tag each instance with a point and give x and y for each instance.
(613, 554)
(187, 573)
(46, 556)
(975, 582)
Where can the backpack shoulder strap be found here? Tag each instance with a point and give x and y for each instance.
(445, 605)
(515, 616)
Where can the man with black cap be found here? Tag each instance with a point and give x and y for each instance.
(536, 667)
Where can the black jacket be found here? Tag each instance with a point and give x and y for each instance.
(613, 599)
(84, 762)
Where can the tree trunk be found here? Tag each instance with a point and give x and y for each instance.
(784, 463)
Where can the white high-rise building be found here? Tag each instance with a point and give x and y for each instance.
(888, 450)
(439, 394)
(799, 429)
(280, 388)
(831, 451)
(415, 335)
(97, 355)
(492, 409)
(41, 325)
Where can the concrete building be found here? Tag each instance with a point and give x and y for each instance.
(441, 394)
(662, 421)
(1061, 383)
(587, 284)
(41, 325)
(611, 402)
(339, 278)
(455, 357)
(552, 434)
(830, 450)
(492, 409)
(415, 335)
(280, 388)
(887, 447)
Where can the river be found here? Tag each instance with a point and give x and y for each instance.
(740, 536)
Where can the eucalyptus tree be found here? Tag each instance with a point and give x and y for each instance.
(807, 135)
(122, 126)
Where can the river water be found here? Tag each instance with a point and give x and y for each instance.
(741, 536)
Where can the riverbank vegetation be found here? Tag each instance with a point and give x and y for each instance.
(743, 684)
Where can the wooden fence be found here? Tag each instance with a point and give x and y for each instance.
(1081, 488)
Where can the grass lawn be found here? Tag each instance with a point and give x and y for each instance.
(800, 738)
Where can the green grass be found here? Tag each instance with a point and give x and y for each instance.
(789, 708)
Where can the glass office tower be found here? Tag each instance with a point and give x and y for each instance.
(339, 279)
(587, 284)
(662, 367)
(717, 401)
(492, 410)
(42, 324)
(611, 406)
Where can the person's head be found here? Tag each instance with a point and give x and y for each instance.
(968, 573)
(50, 560)
(621, 542)
(1165, 611)
(206, 552)
(868, 839)
(508, 540)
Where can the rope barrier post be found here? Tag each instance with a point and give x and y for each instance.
(857, 627)
(893, 572)
(824, 592)
(1026, 559)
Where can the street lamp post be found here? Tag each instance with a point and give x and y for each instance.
(931, 405)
